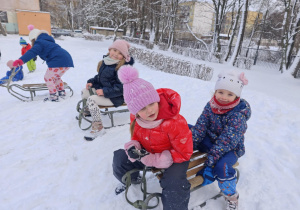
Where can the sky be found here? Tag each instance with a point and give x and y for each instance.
(46, 164)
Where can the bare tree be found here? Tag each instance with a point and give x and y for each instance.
(239, 42)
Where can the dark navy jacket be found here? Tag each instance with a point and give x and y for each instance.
(107, 79)
(48, 50)
(226, 131)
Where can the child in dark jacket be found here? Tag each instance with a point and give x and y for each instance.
(220, 130)
(106, 85)
(160, 138)
(58, 61)
(25, 47)
(19, 75)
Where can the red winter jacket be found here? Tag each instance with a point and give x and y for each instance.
(172, 134)
(25, 49)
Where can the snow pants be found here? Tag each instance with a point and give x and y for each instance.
(31, 65)
(223, 170)
(175, 186)
(53, 79)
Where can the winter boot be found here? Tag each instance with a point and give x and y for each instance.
(120, 188)
(62, 94)
(86, 112)
(97, 129)
(231, 201)
(53, 97)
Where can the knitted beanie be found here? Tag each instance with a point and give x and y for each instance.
(231, 81)
(123, 47)
(10, 64)
(138, 93)
(33, 34)
(22, 41)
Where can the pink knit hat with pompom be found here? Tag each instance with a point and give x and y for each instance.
(137, 92)
(123, 47)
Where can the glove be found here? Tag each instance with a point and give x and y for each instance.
(136, 154)
(34, 59)
(207, 174)
(18, 62)
(158, 160)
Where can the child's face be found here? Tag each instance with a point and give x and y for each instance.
(23, 45)
(225, 96)
(115, 54)
(149, 112)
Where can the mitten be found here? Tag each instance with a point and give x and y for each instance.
(158, 160)
(207, 174)
(129, 144)
(210, 161)
(18, 62)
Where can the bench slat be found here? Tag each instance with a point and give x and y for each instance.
(193, 171)
(37, 85)
(107, 107)
(196, 181)
(196, 162)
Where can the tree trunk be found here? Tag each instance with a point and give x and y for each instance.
(239, 42)
(294, 30)
(237, 17)
(260, 36)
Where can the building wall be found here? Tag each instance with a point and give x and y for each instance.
(40, 20)
(10, 6)
(203, 18)
(7, 5)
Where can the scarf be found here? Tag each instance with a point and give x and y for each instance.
(148, 124)
(109, 61)
(219, 108)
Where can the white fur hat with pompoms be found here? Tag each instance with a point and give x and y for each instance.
(34, 33)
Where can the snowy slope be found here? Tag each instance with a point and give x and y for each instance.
(46, 164)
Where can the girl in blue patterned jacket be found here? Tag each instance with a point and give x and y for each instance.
(220, 130)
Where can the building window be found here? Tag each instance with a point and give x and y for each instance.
(3, 17)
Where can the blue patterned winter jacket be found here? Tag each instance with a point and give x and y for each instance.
(107, 79)
(226, 131)
(48, 50)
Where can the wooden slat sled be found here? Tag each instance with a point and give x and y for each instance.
(196, 164)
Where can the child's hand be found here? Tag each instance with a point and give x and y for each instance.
(88, 85)
(136, 154)
(99, 92)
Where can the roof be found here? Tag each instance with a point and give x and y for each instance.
(104, 28)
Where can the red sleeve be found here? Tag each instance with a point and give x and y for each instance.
(181, 140)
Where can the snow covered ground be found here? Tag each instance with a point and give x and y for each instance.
(46, 164)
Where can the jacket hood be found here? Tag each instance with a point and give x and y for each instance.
(244, 108)
(169, 105)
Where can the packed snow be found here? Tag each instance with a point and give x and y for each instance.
(46, 164)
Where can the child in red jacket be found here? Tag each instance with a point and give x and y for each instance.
(25, 47)
(160, 138)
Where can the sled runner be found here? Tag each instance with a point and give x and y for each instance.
(196, 164)
(106, 110)
(18, 91)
